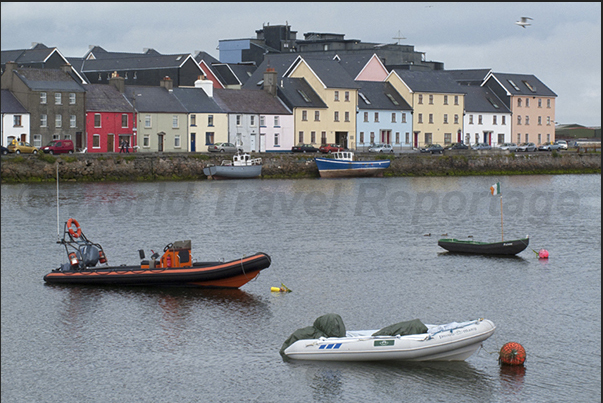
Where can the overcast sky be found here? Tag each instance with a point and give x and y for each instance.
(562, 47)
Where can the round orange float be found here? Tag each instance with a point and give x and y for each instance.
(512, 354)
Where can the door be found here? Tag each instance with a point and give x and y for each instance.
(193, 142)
(160, 142)
(252, 142)
(262, 142)
(110, 143)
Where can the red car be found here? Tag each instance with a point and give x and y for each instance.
(331, 148)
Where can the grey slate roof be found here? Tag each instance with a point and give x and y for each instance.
(10, 104)
(354, 63)
(195, 100)
(48, 79)
(279, 62)
(470, 76)
(377, 94)
(331, 73)
(137, 62)
(249, 101)
(37, 54)
(154, 99)
(297, 93)
(106, 98)
(527, 84)
(429, 81)
(482, 99)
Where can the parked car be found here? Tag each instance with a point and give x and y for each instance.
(4, 150)
(508, 147)
(381, 148)
(24, 147)
(526, 147)
(548, 146)
(304, 148)
(562, 144)
(224, 148)
(64, 146)
(330, 148)
(481, 146)
(433, 149)
(457, 146)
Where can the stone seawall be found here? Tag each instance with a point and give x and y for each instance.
(176, 166)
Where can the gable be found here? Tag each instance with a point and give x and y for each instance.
(374, 70)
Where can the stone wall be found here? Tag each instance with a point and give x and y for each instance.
(173, 166)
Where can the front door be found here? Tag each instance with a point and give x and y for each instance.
(110, 143)
(193, 139)
(160, 142)
(252, 142)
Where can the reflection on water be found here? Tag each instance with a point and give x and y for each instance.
(512, 378)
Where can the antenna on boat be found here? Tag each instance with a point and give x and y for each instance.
(58, 226)
(496, 190)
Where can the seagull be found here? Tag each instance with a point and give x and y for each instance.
(524, 22)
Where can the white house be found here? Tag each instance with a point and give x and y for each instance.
(15, 121)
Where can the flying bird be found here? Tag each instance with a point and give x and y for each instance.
(524, 22)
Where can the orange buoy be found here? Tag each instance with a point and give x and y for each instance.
(512, 354)
(543, 254)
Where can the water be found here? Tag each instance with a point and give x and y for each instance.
(363, 248)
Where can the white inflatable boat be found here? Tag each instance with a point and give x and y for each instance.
(450, 342)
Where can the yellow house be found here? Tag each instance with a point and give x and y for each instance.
(335, 122)
(438, 103)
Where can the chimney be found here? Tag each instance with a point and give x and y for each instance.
(7, 75)
(270, 81)
(167, 83)
(205, 85)
(118, 82)
(66, 68)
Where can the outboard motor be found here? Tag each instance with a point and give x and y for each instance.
(90, 255)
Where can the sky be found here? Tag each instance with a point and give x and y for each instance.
(562, 47)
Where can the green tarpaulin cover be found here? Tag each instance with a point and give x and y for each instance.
(414, 326)
(329, 325)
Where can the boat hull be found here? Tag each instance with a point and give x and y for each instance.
(233, 274)
(334, 168)
(233, 172)
(484, 248)
(450, 345)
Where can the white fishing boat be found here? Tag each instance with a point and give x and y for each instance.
(242, 166)
(449, 342)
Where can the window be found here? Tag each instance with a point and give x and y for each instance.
(95, 141)
(336, 96)
(539, 120)
(17, 121)
(366, 116)
(548, 103)
(346, 116)
(210, 120)
(71, 98)
(336, 116)
(514, 85)
(445, 99)
(57, 98)
(404, 117)
(346, 96)
(456, 99)
(364, 98)
(503, 121)
(372, 138)
(193, 120)
(313, 137)
(276, 122)
(456, 119)
(209, 138)
(479, 120)
(37, 140)
(276, 139)
(124, 120)
(304, 116)
(494, 120)
(518, 120)
(431, 118)
(317, 116)
(304, 96)
(447, 138)
(300, 137)
(72, 121)
(361, 137)
(323, 137)
(445, 118)
(376, 117)
(470, 119)
(58, 121)
(519, 102)
(548, 120)
(428, 138)
(177, 141)
(397, 137)
(262, 121)
(420, 99)
(252, 120)
(43, 120)
(420, 118)
(146, 141)
(174, 121)
(430, 99)
(43, 98)
(97, 120)
(393, 117)
(527, 120)
(527, 84)
(527, 102)
(407, 138)
(238, 119)
(147, 121)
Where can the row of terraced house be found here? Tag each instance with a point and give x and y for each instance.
(184, 102)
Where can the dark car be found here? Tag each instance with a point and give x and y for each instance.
(304, 148)
(433, 149)
(457, 146)
(4, 150)
(330, 148)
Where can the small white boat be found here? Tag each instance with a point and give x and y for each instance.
(242, 166)
(344, 165)
(450, 342)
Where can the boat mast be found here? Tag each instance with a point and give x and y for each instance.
(58, 227)
(502, 233)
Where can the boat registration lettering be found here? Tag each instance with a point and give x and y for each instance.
(333, 346)
(457, 332)
(507, 244)
(382, 343)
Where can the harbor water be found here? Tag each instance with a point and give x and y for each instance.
(364, 248)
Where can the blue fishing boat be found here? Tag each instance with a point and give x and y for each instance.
(343, 165)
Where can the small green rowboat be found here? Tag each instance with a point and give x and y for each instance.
(484, 248)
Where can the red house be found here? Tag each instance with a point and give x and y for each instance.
(109, 119)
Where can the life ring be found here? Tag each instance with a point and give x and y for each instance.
(78, 230)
